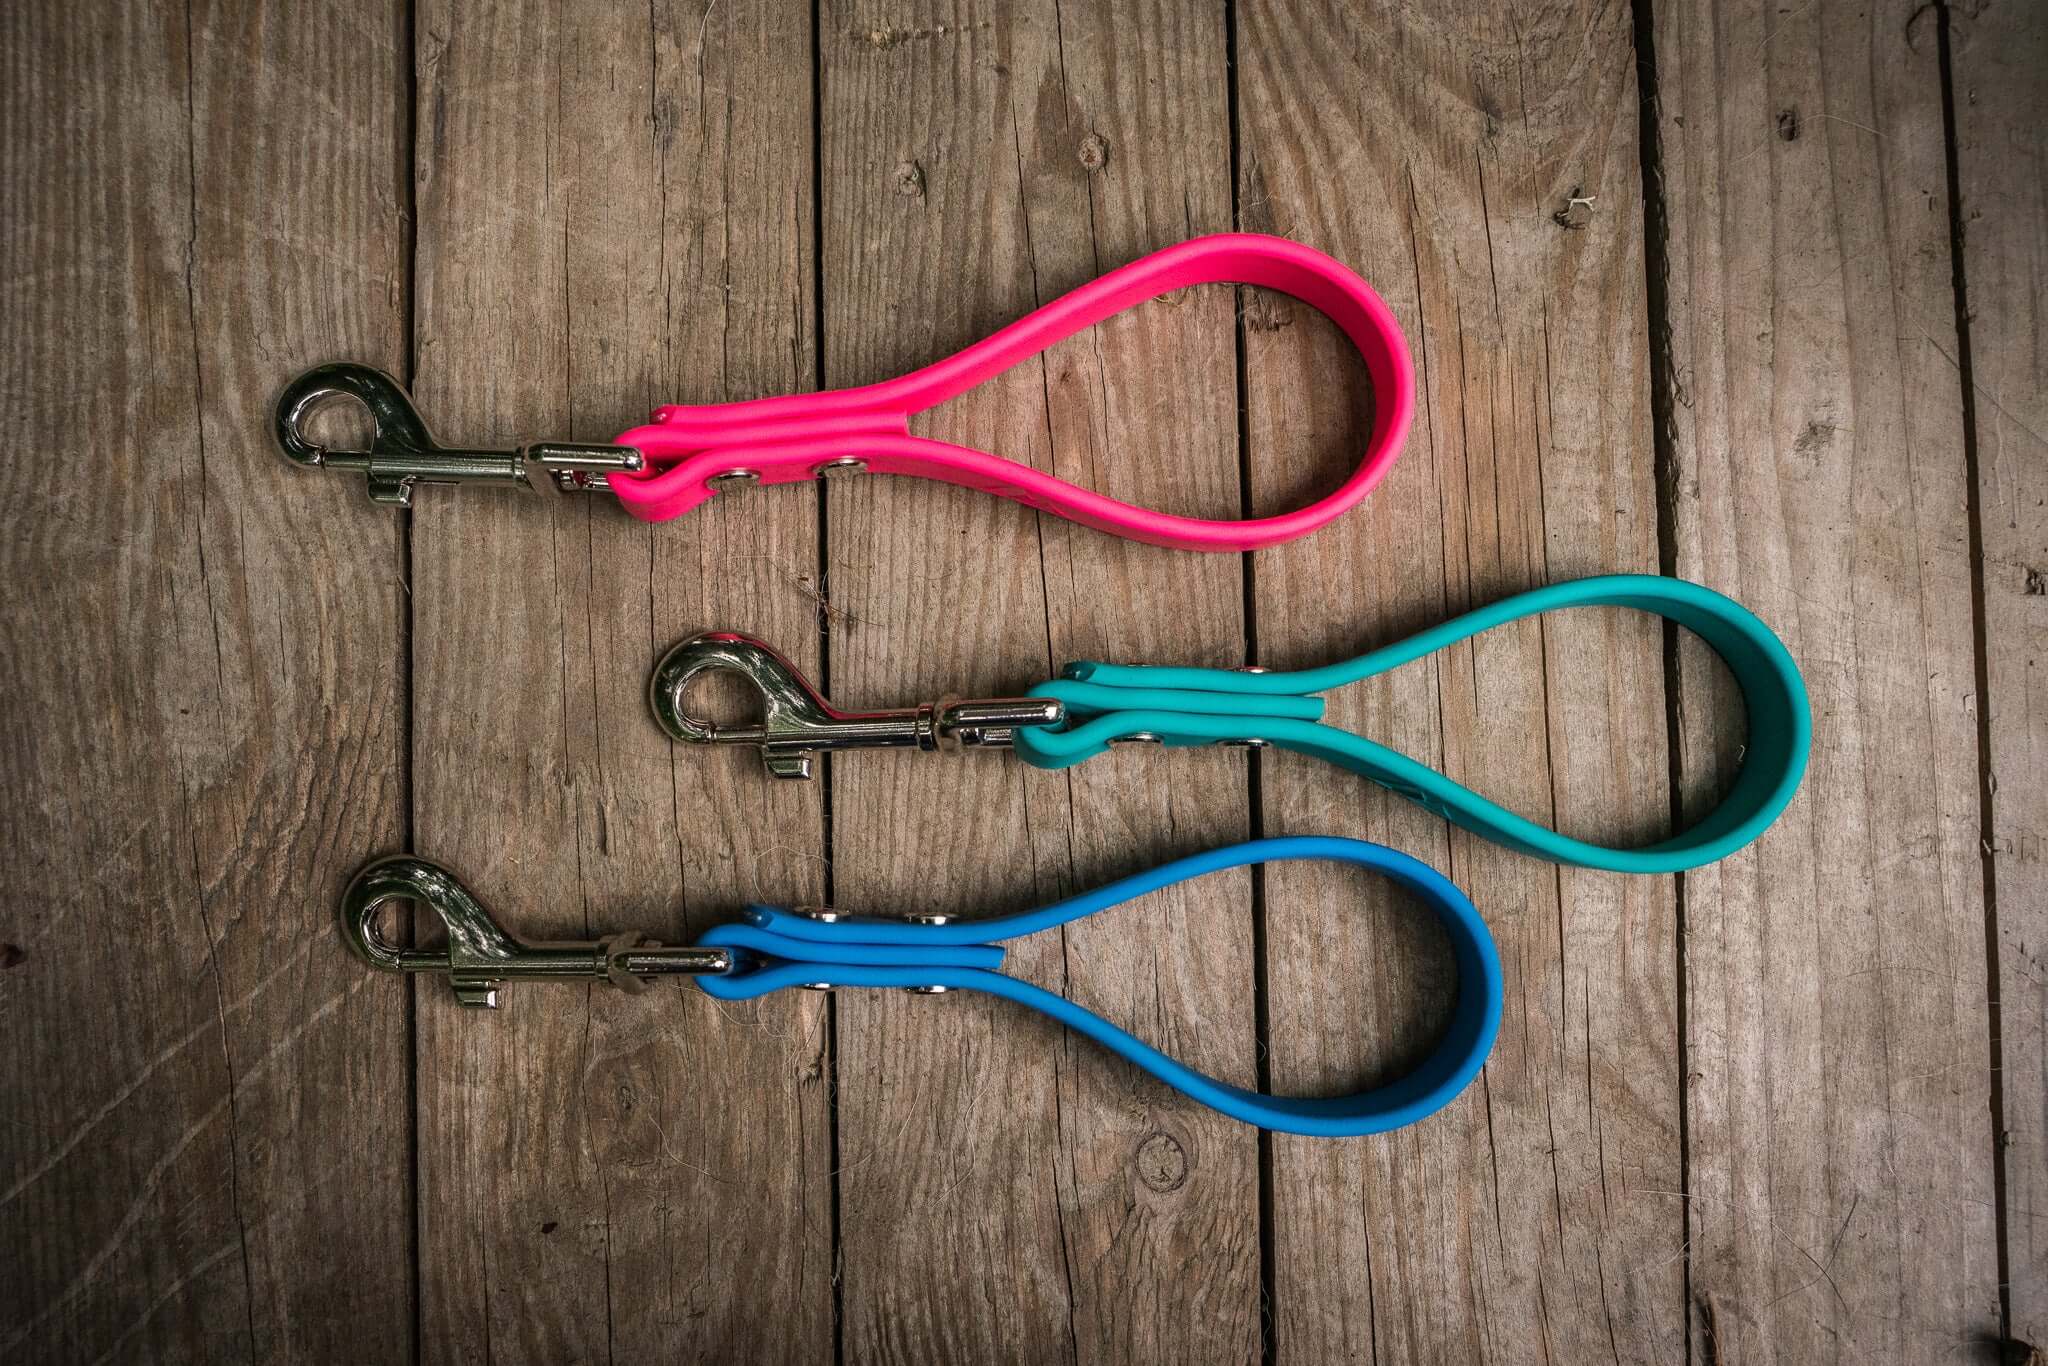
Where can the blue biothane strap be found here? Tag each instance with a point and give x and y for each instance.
(1106, 702)
(779, 948)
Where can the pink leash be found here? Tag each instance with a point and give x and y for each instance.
(691, 452)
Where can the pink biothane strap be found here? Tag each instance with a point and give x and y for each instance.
(793, 437)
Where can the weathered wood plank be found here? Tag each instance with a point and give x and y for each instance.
(1538, 1217)
(205, 1146)
(1008, 1193)
(615, 211)
(2001, 114)
(1841, 1201)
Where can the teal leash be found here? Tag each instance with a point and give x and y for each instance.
(1186, 706)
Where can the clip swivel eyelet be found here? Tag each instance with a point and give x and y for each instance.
(403, 452)
(796, 722)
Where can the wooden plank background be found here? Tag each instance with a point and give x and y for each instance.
(1748, 291)
(1819, 474)
(2001, 136)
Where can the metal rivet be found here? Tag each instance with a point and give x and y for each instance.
(833, 469)
(927, 991)
(823, 917)
(928, 918)
(1251, 743)
(733, 479)
(1253, 669)
(1142, 737)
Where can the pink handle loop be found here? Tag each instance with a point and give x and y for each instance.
(791, 438)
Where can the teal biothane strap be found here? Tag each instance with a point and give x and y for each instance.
(776, 948)
(1178, 706)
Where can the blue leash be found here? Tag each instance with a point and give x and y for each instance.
(779, 948)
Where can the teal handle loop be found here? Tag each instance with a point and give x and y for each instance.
(1107, 702)
(775, 948)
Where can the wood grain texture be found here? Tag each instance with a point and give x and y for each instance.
(615, 211)
(1842, 1206)
(204, 723)
(2001, 130)
(1007, 1192)
(1745, 1115)
(1538, 1217)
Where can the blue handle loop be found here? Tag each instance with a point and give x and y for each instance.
(1204, 706)
(784, 949)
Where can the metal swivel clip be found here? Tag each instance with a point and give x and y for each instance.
(796, 722)
(404, 453)
(481, 955)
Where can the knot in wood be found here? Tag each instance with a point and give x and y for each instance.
(1162, 1163)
